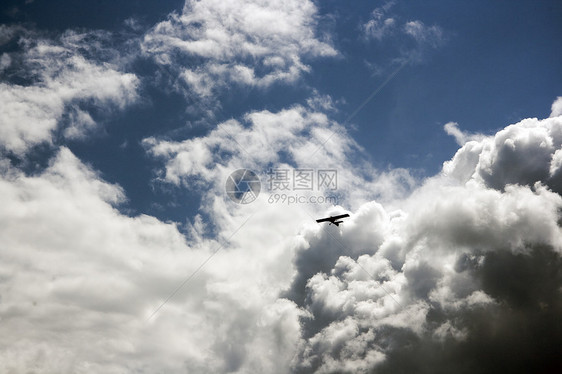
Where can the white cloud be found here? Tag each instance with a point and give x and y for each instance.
(78, 281)
(385, 25)
(74, 271)
(81, 123)
(377, 29)
(7, 32)
(429, 294)
(556, 107)
(60, 77)
(247, 42)
(447, 330)
(458, 252)
(432, 35)
(380, 25)
(402, 275)
(411, 272)
(523, 153)
(290, 138)
(475, 247)
(461, 137)
(5, 61)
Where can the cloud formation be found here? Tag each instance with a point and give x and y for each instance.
(523, 153)
(47, 80)
(412, 283)
(463, 275)
(456, 273)
(411, 38)
(556, 107)
(247, 42)
(291, 138)
(80, 282)
(456, 276)
(380, 24)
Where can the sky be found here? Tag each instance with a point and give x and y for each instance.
(162, 165)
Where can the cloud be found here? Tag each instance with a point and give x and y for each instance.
(7, 33)
(73, 269)
(380, 25)
(249, 43)
(461, 277)
(457, 274)
(47, 79)
(523, 153)
(411, 39)
(556, 107)
(297, 137)
(452, 129)
(78, 281)
(406, 334)
(378, 29)
(417, 281)
(432, 35)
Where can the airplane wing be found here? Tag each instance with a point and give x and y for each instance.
(329, 219)
(340, 216)
(332, 219)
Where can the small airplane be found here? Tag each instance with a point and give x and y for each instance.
(333, 219)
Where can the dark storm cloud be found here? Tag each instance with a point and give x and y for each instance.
(469, 276)
(519, 333)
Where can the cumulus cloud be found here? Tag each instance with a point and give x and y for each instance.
(69, 261)
(456, 276)
(78, 288)
(461, 137)
(250, 43)
(556, 107)
(463, 274)
(457, 273)
(465, 267)
(290, 139)
(79, 282)
(523, 153)
(47, 79)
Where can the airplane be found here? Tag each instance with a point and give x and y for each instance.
(333, 219)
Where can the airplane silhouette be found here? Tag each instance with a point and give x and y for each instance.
(333, 219)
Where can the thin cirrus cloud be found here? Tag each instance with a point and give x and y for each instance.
(380, 24)
(384, 25)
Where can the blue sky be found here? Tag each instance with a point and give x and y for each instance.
(121, 122)
(495, 65)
